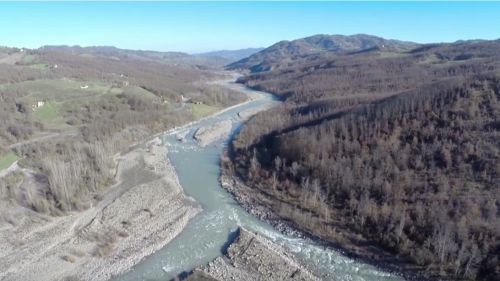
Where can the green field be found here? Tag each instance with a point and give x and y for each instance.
(139, 92)
(201, 110)
(39, 66)
(89, 56)
(61, 89)
(430, 59)
(386, 54)
(7, 160)
(29, 59)
(47, 113)
(65, 89)
(50, 115)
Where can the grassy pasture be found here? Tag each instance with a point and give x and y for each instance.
(39, 66)
(61, 90)
(430, 59)
(388, 54)
(28, 59)
(7, 160)
(88, 56)
(139, 92)
(201, 110)
(52, 116)
(47, 112)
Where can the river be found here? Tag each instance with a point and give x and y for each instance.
(204, 237)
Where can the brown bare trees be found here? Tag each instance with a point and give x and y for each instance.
(416, 173)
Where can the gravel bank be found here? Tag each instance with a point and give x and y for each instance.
(246, 114)
(253, 257)
(207, 135)
(137, 216)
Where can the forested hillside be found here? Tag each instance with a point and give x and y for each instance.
(318, 46)
(399, 149)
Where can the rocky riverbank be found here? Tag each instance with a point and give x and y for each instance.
(208, 135)
(246, 114)
(258, 204)
(251, 201)
(137, 216)
(253, 257)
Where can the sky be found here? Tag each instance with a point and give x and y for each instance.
(195, 27)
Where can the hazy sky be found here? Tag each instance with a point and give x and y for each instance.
(204, 26)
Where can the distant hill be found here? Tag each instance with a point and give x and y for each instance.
(111, 51)
(286, 51)
(176, 58)
(232, 55)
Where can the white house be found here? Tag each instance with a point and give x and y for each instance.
(184, 99)
(37, 105)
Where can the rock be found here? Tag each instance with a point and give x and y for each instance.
(246, 114)
(181, 137)
(208, 135)
(253, 257)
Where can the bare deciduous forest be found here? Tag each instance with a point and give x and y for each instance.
(397, 149)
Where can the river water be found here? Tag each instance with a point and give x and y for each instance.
(204, 237)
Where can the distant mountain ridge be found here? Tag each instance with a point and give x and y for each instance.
(218, 58)
(285, 51)
(107, 50)
(144, 55)
(232, 55)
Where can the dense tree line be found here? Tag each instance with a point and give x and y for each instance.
(16, 122)
(66, 176)
(410, 162)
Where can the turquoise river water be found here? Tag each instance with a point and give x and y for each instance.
(204, 237)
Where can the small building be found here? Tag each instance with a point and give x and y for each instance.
(37, 105)
(184, 99)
